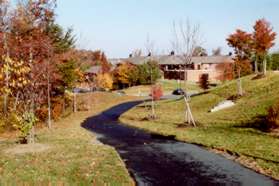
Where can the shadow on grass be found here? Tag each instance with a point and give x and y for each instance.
(258, 122)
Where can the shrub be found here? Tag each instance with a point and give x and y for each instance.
(42, 113)
(204, 82)
(57, 108)
(24, 124)
(156, 92)
(273, 116)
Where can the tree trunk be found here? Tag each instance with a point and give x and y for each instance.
(31, 136)
(185, 75)
(239, 84)
(264, 66)
(153, 115)
(256, 66)
(48, 99)
(16, 101)
(5, 100)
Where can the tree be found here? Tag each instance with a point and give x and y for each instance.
(149, 72)
(199, 51)
(30, 45)
(36, 55)
(136, 53)
(242, 43)
(4, 47)
(68, 73)
(125, 74)
(62, 40)
(104, 81)
(33, 45)
(275, 61)
(186, 39)
(264, 38)
(149, 46)
(105, 65)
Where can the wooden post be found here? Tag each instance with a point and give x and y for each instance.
(188, 113)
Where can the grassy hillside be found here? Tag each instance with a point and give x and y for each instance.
(70, 154)
(235, 130)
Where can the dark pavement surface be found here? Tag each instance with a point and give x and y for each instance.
(152, 160)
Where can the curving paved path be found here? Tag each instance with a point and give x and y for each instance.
(156, 161)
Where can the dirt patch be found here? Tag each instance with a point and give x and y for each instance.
(27, 149)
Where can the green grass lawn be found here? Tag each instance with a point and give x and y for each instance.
(74, 156)
(167, 85)
(232, 130)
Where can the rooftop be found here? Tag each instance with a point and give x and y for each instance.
(175, 59)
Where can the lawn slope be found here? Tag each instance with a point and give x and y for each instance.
(235, 130)
(74, 156)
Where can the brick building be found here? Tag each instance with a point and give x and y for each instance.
(173, 66)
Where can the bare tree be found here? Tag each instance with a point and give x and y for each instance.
(186, 38)
(149, 47)
(217, 51)
(136, 53)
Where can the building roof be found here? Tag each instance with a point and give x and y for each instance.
(93, 70)
(177, 60)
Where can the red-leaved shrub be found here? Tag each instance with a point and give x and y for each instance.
(42, 113)
(156, 92)
(204, 81)
(57, 108)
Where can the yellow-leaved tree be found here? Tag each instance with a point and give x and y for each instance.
(13, 77)
(104, 81)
